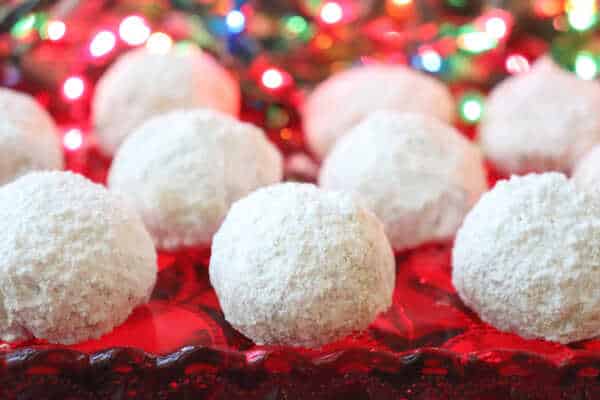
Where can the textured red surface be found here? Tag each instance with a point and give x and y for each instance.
(427, 346)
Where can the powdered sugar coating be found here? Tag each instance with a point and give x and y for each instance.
(182, 170)
(74, 261)
(417, 174)
(142, 84)
(343, 100)
(28, 137)
(527, 259)
(544, 120)
(586, 174)
(296, 265)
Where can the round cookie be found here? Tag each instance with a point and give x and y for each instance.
(419, 175)
(28, 137)
(142, 84)
(74, 260)
(543, 120)
(296, 265)
(527, 259)
(343, 100)
(182, 170)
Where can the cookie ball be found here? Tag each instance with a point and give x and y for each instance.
(419, 175)
(183, 170)
(74, 260)
(296, 265)
(543, 120)
(142, 84)
(526, 259)
(586, 173)
(343, 100)
(28, 137)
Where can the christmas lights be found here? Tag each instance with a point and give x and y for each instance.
(280, 51)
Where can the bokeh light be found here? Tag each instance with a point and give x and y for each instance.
(24, 26)
(548, 8)
(475, 42)
(159, 43)
(586, 66)
(581, 21)
(431, 61)
(272, 78)
(331, 12)
(10, 75)
(496, 27)
(103, 43)
(323, 41)
(236, 21)
(73, 87)
(516, 64)
(297, 26)
(399, 8)
(56, 30)
(581, 14)
(471, 107)
(73, 139)
(133, 30)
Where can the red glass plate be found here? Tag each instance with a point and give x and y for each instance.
(427, 346)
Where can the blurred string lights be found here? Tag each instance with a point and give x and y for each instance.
(73, 139)
(134, 30)
(73, 88)
(103, 43)
(471, 107)
(331, 13)
(272, 78)
(586, 65)
(159, 42)
(516, 64)
(236, 21)
(281, 48)
(55, 30)
(582, 14)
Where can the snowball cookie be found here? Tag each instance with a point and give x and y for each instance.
(142, 84)
(542, 120)
(296, 265)
(586, 174)
(182, 170)
(527, 259)
(343, 100)
(418, 174)
(28, 137)
(74, 261)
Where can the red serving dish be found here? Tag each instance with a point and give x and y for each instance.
(427, 346)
